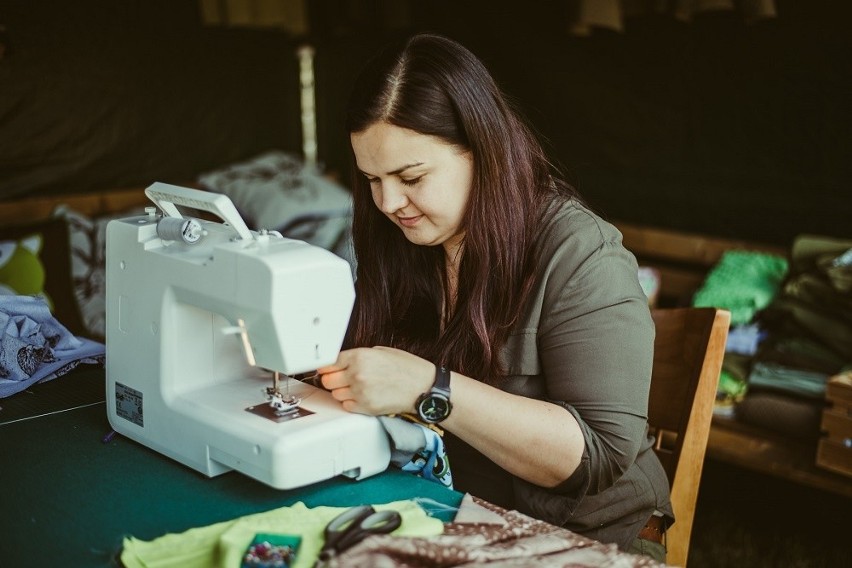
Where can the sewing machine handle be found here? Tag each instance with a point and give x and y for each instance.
(166, 196)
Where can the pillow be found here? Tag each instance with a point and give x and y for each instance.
(277, 191)
(41, 252)
(87, 253)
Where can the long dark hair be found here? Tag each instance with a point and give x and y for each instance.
(434, 86)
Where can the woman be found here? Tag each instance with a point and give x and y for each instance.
(490, 300)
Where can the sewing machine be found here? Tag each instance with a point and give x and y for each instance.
(209, 326)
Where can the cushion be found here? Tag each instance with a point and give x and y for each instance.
(87, 239)
(41, 247)
(277, 191)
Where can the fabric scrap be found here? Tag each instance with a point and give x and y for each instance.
(418, 449)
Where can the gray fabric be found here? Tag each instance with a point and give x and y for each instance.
(405, 437)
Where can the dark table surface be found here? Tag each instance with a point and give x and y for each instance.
(67, 497)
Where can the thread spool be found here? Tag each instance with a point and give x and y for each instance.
(178, 229)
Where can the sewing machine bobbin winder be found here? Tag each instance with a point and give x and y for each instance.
(208, 323)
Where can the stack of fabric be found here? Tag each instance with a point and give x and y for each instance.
(791, 331)
(809, 339)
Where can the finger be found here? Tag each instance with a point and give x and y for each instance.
(336, 366)
(341, 363)
(343, 394)
(334, 380)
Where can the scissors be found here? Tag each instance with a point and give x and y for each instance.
(353, 526)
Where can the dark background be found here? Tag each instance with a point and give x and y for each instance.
(716, 125)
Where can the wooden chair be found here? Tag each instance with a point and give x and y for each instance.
(688, 352)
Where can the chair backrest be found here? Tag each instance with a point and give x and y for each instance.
(688, 352)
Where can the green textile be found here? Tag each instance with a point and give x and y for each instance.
(808, 384)
(731, 387)
(733, 382)
(743, 282)
(802, 352)
(223, 544)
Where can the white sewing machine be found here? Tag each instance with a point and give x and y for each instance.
(201, 318)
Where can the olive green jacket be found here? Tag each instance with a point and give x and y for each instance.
(585, 342)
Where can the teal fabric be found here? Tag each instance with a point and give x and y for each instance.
(75, 498)
(789, 380)
(743, 282)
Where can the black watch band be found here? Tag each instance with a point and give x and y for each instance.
(435, 406)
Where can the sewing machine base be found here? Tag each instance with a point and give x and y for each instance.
(218, 428)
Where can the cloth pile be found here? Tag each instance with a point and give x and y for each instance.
(35, 347)
(808, 339)
(791, 331)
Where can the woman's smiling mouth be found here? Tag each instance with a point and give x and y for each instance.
(409, 221)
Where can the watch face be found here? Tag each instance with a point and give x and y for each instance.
(434, 408)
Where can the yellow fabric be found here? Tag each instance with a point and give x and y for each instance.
(223, 544)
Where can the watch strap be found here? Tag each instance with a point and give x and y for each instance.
(442, 380)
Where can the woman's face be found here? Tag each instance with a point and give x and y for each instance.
(420, 182)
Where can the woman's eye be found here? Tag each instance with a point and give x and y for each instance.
(410, 182)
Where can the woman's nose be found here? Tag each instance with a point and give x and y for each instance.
(393, 197)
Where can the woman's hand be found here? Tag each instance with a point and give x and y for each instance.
(378, 380)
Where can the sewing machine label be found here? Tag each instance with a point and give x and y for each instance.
(128, 404)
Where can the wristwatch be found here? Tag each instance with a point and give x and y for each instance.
(435, 406)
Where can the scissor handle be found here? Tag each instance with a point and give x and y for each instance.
(354, 525)
(382, 522)
(346, 520)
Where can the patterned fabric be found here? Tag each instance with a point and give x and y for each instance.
(484, 534)
(418, 448)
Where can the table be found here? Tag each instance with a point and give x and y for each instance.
(69, 498)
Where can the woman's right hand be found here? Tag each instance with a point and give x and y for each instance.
(378, 380)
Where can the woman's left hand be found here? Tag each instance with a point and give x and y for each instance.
(378, 380)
